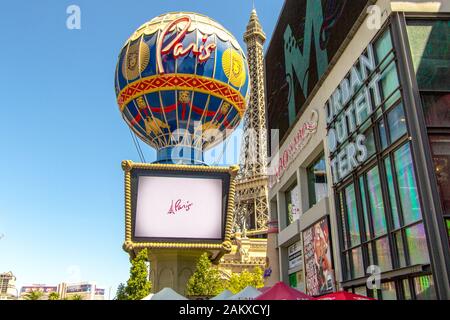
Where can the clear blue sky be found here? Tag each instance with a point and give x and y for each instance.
(62, 138)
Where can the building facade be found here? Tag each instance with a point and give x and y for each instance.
(359, 182)
(46, 290)
(8, 289)
(66, 291)
(85, 290)
(246, 254)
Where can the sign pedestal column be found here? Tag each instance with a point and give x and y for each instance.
(172, 269)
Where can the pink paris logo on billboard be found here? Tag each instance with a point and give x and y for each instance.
(179, 206)
(203, 52)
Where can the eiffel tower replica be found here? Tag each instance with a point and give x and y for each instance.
(249, 244)
(251, 211)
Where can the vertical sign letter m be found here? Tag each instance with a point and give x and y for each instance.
(297, 61)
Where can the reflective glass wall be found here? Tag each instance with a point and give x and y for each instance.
(429, 41)
(378, 203)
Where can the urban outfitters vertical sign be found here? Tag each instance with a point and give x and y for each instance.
(348, 108)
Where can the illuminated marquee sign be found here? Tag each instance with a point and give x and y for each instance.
(350, 105)
(297, 144)
(203, 52)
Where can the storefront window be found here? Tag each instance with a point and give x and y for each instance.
(400, 249)
(352, 215)
(424, 288)
(417, 245)
(429, 40)
(383, 254)
(358, 265)
(370, 143)
(317, 181)
(361, 291)
(406, 289)
(293, 204)
(397, 123)
(407, 185)
(389, 84)
(388, 291)
(383, 47)
(376, 202)
(383, 135)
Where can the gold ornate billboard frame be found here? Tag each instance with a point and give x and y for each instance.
(224, 247)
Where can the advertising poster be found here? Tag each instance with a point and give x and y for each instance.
(317, 257)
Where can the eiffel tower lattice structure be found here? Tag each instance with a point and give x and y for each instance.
(251, 210)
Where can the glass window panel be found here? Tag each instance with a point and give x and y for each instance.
(400, 249)
(429, 44)
(406, 289)
(293, 204)
(407, 185)
(392, 198)
(383, 254)
(397, 122)
(440, 148)
(370, 143)
(317, 182)
(389, 84)
(383, 46)
(352, 215)
(383, 135)
(376, 202)
(358, 265)
(424, 288)
(388, 291)
(364, 205)
(417, 245)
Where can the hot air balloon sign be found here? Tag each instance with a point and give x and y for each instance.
(182, 85)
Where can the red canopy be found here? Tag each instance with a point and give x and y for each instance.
(343, 295)
(281, 291)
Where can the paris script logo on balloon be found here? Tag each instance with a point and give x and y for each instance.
(179, 206)
(203, 52)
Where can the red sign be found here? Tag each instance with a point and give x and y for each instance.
(202, 52)
(179, 206)
(294, 147)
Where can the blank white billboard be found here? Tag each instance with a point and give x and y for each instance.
(181, 207)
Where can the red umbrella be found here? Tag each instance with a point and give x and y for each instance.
(281, 291)
(343, 295)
